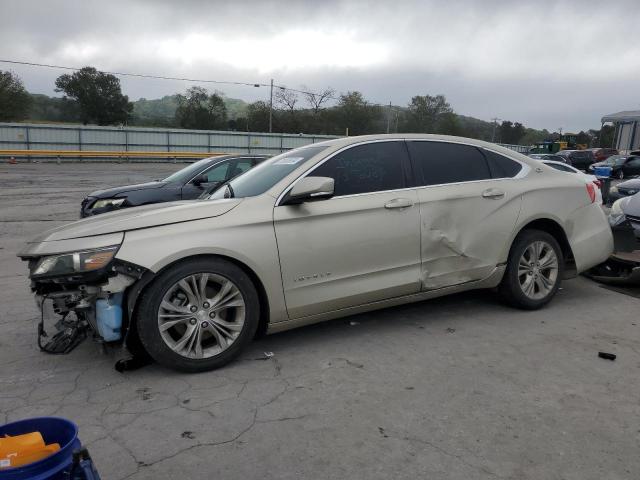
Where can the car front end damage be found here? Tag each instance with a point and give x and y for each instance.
(82, 293)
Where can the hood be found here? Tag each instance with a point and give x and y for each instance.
(140, 217)
(112, 192)
(633, 183)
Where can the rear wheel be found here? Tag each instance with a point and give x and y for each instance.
(198, 315)
(534, 270)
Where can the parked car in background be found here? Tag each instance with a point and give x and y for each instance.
(323, 231)
(548, 156)
(627, 210)
(622, 166)
(601, 154)
(581, 159)
(563, 167)
(185, 184)
(624, 189)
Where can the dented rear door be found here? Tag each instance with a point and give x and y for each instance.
(466, 215)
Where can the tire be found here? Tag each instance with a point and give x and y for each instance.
(516, 288)
(215, 335)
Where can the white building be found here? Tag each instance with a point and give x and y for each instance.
(627, 133)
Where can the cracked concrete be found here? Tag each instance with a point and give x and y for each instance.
(460, 387)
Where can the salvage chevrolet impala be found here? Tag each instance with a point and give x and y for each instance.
(320, 232)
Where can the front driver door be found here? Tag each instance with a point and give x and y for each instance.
(362, 245)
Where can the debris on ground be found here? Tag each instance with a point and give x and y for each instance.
(188, 435)
(607, 356)
(451, 330)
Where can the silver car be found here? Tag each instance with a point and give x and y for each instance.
(320, 232)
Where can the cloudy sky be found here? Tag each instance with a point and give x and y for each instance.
(548, 64)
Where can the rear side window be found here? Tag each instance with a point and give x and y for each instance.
(501, 166)
(373, 167)
(440, 163)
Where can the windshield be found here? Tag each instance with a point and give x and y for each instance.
(261, 178)
(186, 173)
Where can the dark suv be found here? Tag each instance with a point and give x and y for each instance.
(580, 159)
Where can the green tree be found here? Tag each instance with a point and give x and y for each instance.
(199, 110)
(448, 124)
(14, 98)
(425, 111)
(98, 95)
(511, 132)
(356, 114)
(258, 117)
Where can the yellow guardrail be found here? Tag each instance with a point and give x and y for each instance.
(104, 154)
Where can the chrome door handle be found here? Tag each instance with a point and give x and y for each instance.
(493, 193)
(398, 203)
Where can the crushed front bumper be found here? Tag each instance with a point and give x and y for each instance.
(79, 305)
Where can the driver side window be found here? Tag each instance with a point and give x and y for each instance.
(367, 168)
(218, 173)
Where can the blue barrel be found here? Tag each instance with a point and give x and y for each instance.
(602, 172)
(53, 430)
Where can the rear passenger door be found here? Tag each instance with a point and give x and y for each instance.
(469, 203)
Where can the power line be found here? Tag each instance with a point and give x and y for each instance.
(140, 75)
(195, 80)
(184, 79)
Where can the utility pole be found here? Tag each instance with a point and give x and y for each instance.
(389, 118)
(495, 124)
(271, 109)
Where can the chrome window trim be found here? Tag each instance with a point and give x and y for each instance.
(524, 171)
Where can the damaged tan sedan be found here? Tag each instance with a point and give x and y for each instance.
(320, 232)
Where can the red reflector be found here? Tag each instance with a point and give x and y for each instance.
(591, 190)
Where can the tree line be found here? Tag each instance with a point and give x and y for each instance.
(94, 97)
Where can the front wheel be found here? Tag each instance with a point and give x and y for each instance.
(198, 315)
(534, 270)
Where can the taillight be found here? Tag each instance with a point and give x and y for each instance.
(591, 191)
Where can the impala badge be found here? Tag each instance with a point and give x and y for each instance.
(314, 276)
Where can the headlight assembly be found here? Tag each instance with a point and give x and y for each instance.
(108, 203)
(76, 262)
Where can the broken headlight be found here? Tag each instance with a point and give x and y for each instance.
(75, 262)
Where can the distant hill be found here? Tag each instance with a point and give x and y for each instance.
(158, 112)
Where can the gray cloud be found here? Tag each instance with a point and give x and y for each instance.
(548, 64)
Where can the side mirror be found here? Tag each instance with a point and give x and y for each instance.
(200, 179)
(310, 189)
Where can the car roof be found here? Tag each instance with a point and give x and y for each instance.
(347, 141)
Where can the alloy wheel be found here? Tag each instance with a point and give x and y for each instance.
(538, 270)
(201, 315)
